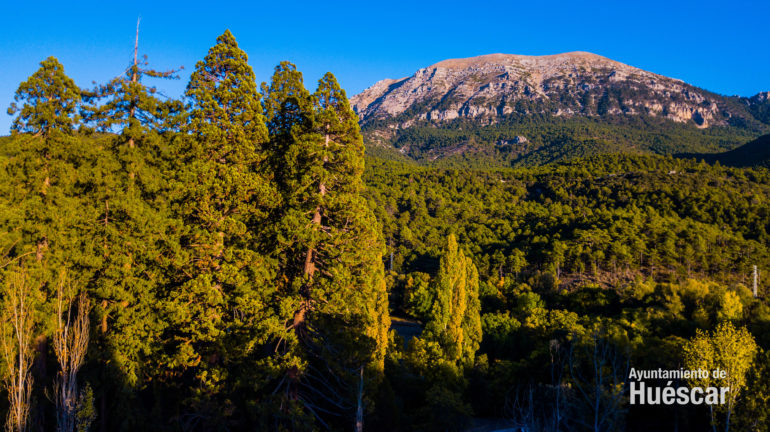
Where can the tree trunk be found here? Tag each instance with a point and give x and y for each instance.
(70, 346)
(360, 402)
(310, 255)
(134, 78)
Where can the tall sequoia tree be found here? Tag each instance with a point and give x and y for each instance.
(221, 312)
(328, 241)
(133, 233)
(50, 100)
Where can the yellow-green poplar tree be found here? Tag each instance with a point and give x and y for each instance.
(455, 317)
(729, 349)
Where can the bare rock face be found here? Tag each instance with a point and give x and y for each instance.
(490, 87)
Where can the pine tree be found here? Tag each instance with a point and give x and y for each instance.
(128, 104)
(132, 233)
(50, 100)
(222, 309)
(289, 114)
(133, 215)
(455, 317)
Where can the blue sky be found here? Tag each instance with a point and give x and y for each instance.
(721, 46)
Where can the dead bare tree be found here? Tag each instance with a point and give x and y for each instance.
(18, 328)
(599, 367)
(70, 345)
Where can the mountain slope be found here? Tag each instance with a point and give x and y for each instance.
(477, 93)
(752, 154)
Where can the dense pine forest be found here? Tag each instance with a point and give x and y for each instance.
(237, 261)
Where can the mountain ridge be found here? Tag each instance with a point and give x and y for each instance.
(471, 82)
(477, 92)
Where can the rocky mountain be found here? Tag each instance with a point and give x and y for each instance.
(485, 91)
(759, 106)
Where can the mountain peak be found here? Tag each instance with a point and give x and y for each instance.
(494, 86)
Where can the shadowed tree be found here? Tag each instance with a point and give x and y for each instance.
(70, 343)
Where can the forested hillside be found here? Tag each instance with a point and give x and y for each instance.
(541, 139)
(752, 154)
(231, 262)
(630, 255)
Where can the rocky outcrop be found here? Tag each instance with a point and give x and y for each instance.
(491, 87)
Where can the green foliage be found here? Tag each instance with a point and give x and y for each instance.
(50, 100)
(221, 308)
(327, 240)
(127, 104)
(224, 103)
(455, 321)
(419, 296)
(752, 154)
(461, 143)
(753, 413)
(727, 348)
(612, 218)
(86, 412)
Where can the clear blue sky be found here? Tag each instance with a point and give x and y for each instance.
(723, 46)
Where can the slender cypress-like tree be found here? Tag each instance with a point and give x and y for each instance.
(50, 100)
(455, 318)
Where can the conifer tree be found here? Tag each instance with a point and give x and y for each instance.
(50, 100)
(132, 231)
(221, 311)
(455, 317)
(327, 237)
(289, 114)
(127, 103)
(356, 246)
(76, 208)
